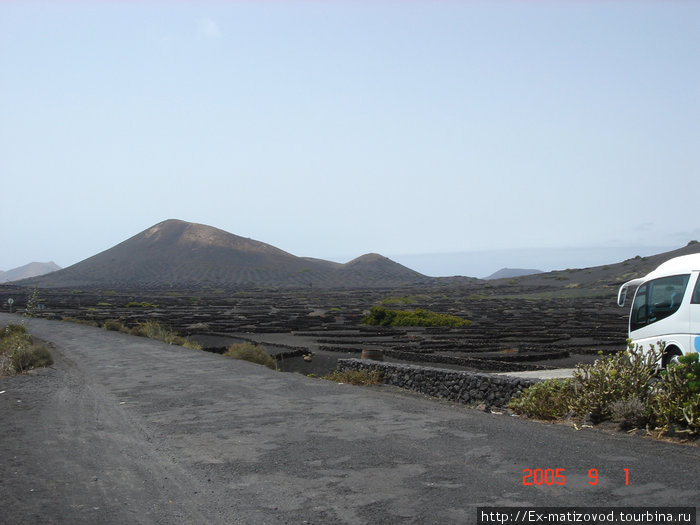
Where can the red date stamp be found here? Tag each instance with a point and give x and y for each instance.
(557, 476)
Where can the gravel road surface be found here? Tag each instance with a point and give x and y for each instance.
(128, 430)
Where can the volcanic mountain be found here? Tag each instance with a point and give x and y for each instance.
(176, 253)
(28, 270)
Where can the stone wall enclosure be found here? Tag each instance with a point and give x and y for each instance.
(454, 385)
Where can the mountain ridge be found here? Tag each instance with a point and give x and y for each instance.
(32, 269)
(176, 253)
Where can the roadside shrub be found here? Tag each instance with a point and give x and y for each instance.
(12, 329)
(629, 413)
(194, 345)
(618, 377)
(18, 352)
(154, 330)
(151, 329)
(252, 353)
(355, 377)
(678, 402)
(35, 356)
(14, 337)
(627, 388)
(115, 325)
(378, 315)
(550, 399)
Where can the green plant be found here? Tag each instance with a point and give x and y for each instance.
(355, 377)
(628, 388)
(14, 337)
(194, 345)
(32, 304)
(630, 413)
(12, 329)
(678, 401)
(154, 330)
(115, 326)
(35, 356)
(18, 352)
(550, 399)
(252, 353)
(378, 315)
(621, 376)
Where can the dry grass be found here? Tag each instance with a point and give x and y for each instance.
(251, 353)
(19, 352)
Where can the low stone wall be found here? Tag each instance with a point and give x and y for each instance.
(454, 385)
(426, 356)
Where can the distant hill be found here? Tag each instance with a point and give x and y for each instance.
(605, 277)
(176, 253)
(509, 273)
(28, 270)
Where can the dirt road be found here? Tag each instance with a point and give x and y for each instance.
(127, 430)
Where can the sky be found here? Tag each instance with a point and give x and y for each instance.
(420, 130)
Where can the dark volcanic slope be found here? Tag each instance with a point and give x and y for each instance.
(609, 275)
(176, 253)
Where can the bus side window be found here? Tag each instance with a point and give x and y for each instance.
(695, 299)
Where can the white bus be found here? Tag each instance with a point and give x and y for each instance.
(666, 307)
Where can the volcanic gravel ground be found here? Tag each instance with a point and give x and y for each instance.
(125, 430)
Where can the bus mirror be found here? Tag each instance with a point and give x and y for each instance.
(621, 296)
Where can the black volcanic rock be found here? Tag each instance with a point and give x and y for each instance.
(176, 253)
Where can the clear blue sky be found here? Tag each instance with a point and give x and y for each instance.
(336, 128)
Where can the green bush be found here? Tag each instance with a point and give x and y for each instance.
(194, 345)
(14, 338)
(678, 402)
(252, 353)
(378, 315)
(355, 377)
(35, 356)
(630, 413)
(550, 399)
(18, 352)
(627, 388)
(618, 377)
(12, 329)
(115, 326)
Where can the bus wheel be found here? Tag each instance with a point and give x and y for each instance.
(671, 356)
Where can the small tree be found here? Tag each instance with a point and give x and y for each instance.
(32, 304)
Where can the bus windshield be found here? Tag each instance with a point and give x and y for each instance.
(657, 299)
